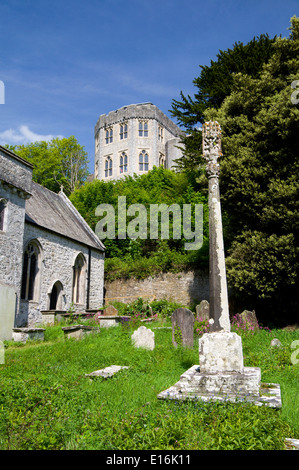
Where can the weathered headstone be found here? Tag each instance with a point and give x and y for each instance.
(249, 318)
(25, 334)
(107, 372)
(182, 321)
(143, 338)
(110, 311)
(203, 310)
(275, 343)
(78, 331)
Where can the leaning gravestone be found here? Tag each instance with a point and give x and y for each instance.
(110, 311)
(107, 372)
(143, 338)
(182, 321)
(249, 318)
(203, 310)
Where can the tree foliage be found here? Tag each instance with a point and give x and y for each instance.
(258, 180)
(60, 162)
(158, 186)
(213, 85)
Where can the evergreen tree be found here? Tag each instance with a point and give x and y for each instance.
(214, 84)
(259, 182)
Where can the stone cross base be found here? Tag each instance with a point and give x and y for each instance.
(222, 376)
(220, 352)
(224, 386)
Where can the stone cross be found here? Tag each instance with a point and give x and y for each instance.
(219, 314)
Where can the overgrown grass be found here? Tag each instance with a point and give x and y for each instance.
(46, 402)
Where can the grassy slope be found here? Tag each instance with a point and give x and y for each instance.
(47, 403)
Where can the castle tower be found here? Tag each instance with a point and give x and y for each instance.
(133, 139)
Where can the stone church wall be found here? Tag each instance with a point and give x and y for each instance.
(15, 186)
(185, 287)
(58, 256)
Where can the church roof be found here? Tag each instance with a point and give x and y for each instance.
(56, 213)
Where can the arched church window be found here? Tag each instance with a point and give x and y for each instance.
(31, 270)
(123, 163)
(143, 161)
(79, 278)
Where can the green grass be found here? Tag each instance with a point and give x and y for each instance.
(46, 402)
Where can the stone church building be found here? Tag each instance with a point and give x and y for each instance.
(50, 258)
(133, 139)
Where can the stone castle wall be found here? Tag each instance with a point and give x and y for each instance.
(153, 144)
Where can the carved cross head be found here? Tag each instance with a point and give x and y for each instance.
(211, 146)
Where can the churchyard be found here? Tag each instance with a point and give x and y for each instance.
(61, 392)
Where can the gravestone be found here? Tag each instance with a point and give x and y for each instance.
(107, 372)
(249, 318)
(143, 338)
(78, 331)
(203, 310)
(110, 311)
(25, 334)
(275, 343)
(182, 321)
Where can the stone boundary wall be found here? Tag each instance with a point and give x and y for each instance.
(184, 287)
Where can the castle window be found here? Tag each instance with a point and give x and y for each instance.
(3, 209)
(162, 161)
(143, 161)
(123, 131)
(123, 163)
(97, 141)
(108, 167)
(109, 135)
(143, 129)
(160, 133)
(30, 272)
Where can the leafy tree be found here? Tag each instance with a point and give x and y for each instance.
(60, 162)
(259, 184)
(214, 84)
(158, 186)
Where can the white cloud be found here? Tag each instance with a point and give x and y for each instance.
(23, 136)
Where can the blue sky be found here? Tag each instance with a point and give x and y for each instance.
(63, 63)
